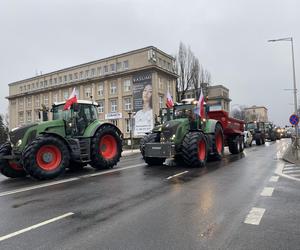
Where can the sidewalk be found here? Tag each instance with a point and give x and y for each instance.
(130, 152)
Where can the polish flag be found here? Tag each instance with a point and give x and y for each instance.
(72, 99)
(169, 102)
(199, 110)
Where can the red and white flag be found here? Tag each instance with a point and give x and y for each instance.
(72, 99)
(169, 102)
(199, 110)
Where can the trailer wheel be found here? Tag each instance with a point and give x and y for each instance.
(46, 157)
(194, 149)
(106, 147)
(218, 142)
(242, 144)
(10, 168)
(234, 145)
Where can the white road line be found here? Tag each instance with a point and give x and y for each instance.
(292, 168)
(5, 237)
(175, 175)
(278, 171)
(274, 179)
(289, 165)
(267, 191)
(254, 216)
(20, 190)
(291, 171)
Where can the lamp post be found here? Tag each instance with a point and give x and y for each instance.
(130, 114)
(290, 39)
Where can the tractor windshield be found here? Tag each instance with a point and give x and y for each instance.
(184, 111)
(60, 114)
(251, 126)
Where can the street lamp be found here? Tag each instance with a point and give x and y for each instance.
(130, 114)
(290, 39)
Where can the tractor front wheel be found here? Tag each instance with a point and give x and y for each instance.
(46, 157)
(106, 147)
(194, 149)
(10, 168)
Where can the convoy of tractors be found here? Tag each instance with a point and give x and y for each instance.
(75, 137)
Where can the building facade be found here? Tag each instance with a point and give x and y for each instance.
(217, 97)
(256, 113)
(118, 83)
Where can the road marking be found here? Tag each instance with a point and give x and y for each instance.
(175, 175)
(20, 190)
(267, 191)
(289, 165)
(279, 171)
(291, 171)
(255, 215)
(5, 237)
(274, 179)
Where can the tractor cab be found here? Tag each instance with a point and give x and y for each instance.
(78, 117)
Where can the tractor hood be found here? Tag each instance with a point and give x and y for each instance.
(18, 133)
(171, 130)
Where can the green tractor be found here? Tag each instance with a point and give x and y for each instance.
(184, 137)
(73, 139)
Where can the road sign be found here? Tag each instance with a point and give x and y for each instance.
(294, 119)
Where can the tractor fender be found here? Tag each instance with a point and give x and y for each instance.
(95, 129)
(211, 126)
(57, 136)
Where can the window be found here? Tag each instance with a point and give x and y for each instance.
(119, 66)
(70, 77)
(113, 88)
(125, 64)
(66, 94)
(29, 116)
(21, 89)
(127, 104)
(41, 84)
(81, 74)
(105, 69)
(46, 100)
(60, 79)
(100, 89)
(127, 125)
(113, 105)
(37, 115)
(45, 83)
(101, 106)
(99, 72)
(28, 102)
(86, 74)
(65, 78)
(21, 118)
(37, 101)
(87, 92)
(169, 86)
(160, 83)
(55, 80)
(92, 72)
(37, 85)
(28, 86)
(50, 82)
(115, 122)
(76, 76)
(32, 85)
(127, 85)
(55, 97)
(21, 103)
(160, 102)
(112, 68)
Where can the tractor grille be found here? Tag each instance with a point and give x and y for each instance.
(168, 132)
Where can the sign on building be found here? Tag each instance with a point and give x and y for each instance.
(113, 116)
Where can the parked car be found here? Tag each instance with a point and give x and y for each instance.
(248, 138)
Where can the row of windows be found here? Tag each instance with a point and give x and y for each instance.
(89, 73)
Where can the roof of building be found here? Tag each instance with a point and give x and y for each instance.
(256, 107)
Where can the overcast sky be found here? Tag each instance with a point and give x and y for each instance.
(229, 37)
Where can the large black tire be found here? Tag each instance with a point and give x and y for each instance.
(263, 140)
(234, 145)
(194, 149)
(242, 143)
(46, 157)
(9, 168)
(218, 142)
(106, 147)
(258, 141)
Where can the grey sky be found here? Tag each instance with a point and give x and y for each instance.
(229, 37)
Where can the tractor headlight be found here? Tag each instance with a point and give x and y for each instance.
(19, 142)
(173, 137)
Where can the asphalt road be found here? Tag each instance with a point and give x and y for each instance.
(237, 203)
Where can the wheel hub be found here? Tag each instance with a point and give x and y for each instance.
(47, 157)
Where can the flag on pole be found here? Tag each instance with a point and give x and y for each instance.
(72, 99)
(199, 110)
(169, 102)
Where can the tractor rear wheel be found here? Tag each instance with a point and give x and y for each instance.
(234, 145)
(218, 142)
(194, 149)
(46, 157)
(10, 168)
(106, 147)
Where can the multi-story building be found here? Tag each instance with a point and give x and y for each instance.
(117, 83)
(256, 113)
(217, 97)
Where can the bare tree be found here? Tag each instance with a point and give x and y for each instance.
(192, 75)
(238, 112)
